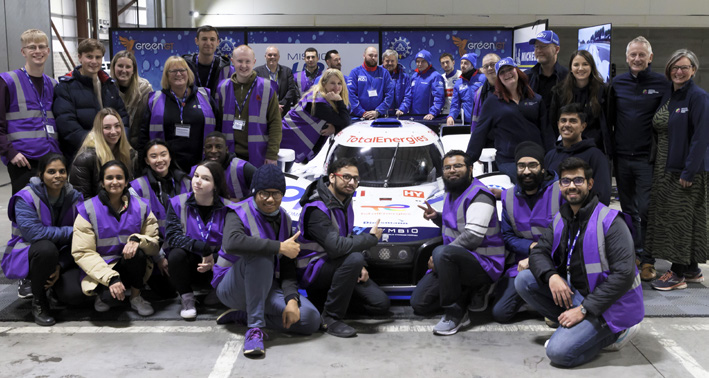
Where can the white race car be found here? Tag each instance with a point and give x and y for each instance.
(400, 165)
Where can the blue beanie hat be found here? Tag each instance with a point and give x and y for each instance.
(268, 176)
(425, 55)
(470, 57)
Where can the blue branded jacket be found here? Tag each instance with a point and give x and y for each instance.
(361, 81)
(509, 124)
(424, 94)
(401, 81)
(464, 96)
(688, 126)
(586, 150)
(632, 102)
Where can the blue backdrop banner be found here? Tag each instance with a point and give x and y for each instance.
(457, 42)
(152, 47)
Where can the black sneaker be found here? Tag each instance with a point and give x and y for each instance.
(694, 276)
(24, 288)
(338, 328)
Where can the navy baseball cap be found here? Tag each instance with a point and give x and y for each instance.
(504, 62)
(546, 36)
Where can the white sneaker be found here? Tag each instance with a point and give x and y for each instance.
(100, 305)
(188, 312)
(624, 338)
(142, 306)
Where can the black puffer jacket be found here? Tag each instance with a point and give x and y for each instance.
(76, 105)
(84, 172)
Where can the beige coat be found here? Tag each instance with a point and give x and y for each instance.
(83, 249)
(136, 109)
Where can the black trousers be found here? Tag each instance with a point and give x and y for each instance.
(458, 274)
(20, 176)
(182, 266)
(335, 288)
(43, 257)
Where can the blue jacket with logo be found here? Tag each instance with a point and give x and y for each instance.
(688, 126)
(464, 96)
(632, 102)
(401, 81)
(425, 93)
(360, 82)
(510, 124)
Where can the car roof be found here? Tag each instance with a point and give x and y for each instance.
(389, 134)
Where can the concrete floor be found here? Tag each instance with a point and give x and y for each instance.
(665, 347)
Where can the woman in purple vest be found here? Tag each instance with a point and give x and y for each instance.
(321, 112)
(134, 90)
(105, 142)
(42, 215)
(584, 86)
(114, 234)
(161, 181)
(180, 113)
(195, 222)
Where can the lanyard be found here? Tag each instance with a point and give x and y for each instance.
(211, 68)
(209, 227)
(39, 98)
(239, 107)
(570, 248)
(180, 104)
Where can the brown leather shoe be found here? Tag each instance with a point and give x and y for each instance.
(647, 272)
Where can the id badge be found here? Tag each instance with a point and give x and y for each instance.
(238, 124)
(372, 92)
(182, 130)
(49, 128)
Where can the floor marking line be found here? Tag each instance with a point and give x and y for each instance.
(479, 328)
(684, 358)
(108, 329)
(227, 358)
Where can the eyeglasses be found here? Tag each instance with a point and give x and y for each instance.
(452, 167)
(490, 66)
(683, 68)
(266, 194)
(532, 166)
(36, 47)
(347, 178)
(180, 71)
(578, 181)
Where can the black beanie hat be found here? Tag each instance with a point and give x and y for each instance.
(529, 149)
(268, 176)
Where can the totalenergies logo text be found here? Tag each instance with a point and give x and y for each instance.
(132, 45)
(392, 207)
(409, 140)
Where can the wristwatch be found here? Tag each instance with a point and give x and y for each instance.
(583, 310)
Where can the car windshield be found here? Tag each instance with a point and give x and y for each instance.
(413, 165)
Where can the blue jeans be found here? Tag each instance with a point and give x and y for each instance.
(568, 347)
(634, 179)
(249, 285)
(507, 301)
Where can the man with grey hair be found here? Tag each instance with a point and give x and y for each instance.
(399, 77)
(634, 98)
(282, 75)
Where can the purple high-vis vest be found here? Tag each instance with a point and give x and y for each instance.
(491, 251)
(235, 179)
(304, 83)
(255, 225)
(312, 255)
(191, 221)
(530, 223)
(15, 261)
(626, 311)
(301, 130)
(142, 187)
(26, 126)
(156, 104)
(111, 234)
(257, 123)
